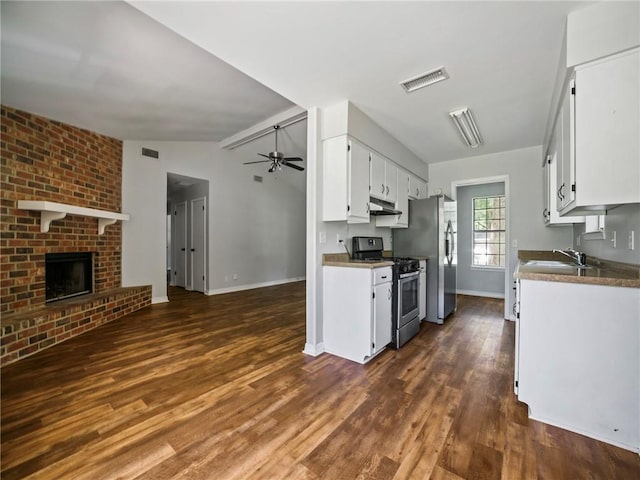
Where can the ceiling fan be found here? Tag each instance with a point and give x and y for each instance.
(277, 159)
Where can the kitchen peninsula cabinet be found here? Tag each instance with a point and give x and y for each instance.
(577, 362)
(345, 181)
(357, 311)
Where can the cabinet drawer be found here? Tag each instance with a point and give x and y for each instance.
(381, 275)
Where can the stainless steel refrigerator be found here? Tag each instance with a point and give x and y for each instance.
(432, 233)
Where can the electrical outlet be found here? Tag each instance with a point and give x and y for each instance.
(235, 276)
(631, 240)
(614, 239)
(514, 243)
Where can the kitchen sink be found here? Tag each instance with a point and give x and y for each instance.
(554, 264)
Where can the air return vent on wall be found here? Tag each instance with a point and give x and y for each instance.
(425, 79)
(147, 152)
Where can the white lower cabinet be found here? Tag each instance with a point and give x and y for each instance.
(356, 311)
(578, 358)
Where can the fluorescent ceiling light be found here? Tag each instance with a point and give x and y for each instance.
(463, 120)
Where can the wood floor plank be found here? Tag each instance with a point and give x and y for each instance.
(218, 387)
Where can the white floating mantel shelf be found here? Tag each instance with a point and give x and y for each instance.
(50, 211)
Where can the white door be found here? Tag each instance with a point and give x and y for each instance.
(180, 245)
(198, 242)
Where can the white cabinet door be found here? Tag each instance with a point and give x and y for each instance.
(402, 204)
(378, 180)
(358, 197)
(550, 188)
(601, 136)
(345, 174)
(607, 135)
(417, 188)
(391, 177)
(384, 181)
(381, 316)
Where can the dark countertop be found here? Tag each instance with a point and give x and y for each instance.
(343, 260)
(602, 272)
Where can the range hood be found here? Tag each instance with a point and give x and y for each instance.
(381, 207)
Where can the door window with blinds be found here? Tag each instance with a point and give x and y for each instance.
(489, 221)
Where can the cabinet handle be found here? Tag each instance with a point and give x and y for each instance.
(389, 294)
(561, 194)
(382, 191)
(544, 214)
(367, 207)
(387, 189)
(383, 277)
(417, 192)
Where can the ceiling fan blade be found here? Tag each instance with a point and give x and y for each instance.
(263, 155)
(293, 159)
(257, 161)
(293, 165)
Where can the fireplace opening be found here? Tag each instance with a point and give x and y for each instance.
(68, 275)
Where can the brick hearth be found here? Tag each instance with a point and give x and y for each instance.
(48, 160)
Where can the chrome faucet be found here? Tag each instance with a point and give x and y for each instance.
(578, 257)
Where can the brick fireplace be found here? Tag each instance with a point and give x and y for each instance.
(50, 161)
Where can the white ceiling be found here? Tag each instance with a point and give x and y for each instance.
(108, 66)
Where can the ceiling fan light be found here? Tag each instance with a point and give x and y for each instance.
(466, 125)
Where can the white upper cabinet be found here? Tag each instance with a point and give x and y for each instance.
(606, 135)
(345, 181)
(383, 178)
(417, 188)
(559, 170)
(402, 204)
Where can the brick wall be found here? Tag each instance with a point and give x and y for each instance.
(43, 159)
(48, 160)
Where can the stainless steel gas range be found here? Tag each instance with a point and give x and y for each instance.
(406, 274)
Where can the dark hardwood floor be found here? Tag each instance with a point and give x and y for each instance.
(218, 388)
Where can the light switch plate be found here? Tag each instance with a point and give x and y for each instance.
(323, 237)
(631, 240)
(614, 239)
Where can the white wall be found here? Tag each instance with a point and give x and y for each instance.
(622, 220)
(256, 230)
(524, 168)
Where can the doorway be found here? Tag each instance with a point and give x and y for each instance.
(488, 187)
(187, 203)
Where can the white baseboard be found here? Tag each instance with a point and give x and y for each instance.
(596, 436)
(475, 293)
(313, 350)
(163, 299)
(251, 286)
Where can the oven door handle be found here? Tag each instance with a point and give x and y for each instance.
(409, 275)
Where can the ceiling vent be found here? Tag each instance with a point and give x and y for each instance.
(425, 79)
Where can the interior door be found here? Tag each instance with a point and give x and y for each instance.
(198, 244)
(180, 245)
